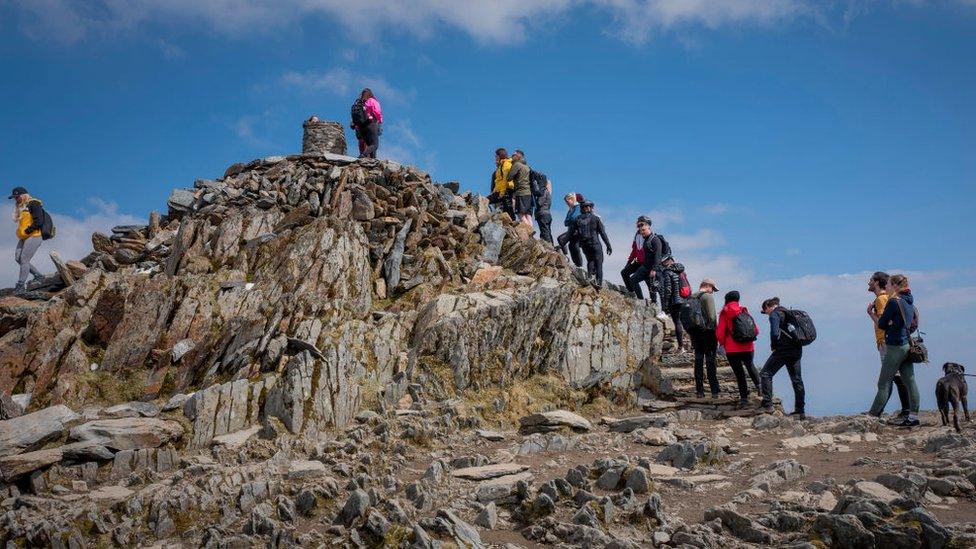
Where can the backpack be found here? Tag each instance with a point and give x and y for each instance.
(359, 118)
(665, 247)
(537, 182)
(684, 287)
(804, 332)
(586, 227)
(743, 327)
(691, 315)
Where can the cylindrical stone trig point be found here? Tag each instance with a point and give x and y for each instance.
(323, 136)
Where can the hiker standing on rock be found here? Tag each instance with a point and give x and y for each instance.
(737, 332)
(501, 186)
(673, 278)
(34, 225)
(787, 351)
(374, 123)
(898, 322)
(542, 196)
(518, 176)
(572, 201)
(588, 230)
(636, 258)
(703, 339)
(649, 272)
(877, 285)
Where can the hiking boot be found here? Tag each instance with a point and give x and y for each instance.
(766, 408)
(714, 396)
(38, 278)
(743, 404)
(20, 288)
(700, 394)
(798, 415)
(908, 422)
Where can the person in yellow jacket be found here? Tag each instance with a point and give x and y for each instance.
(33, 227)
(501, 188)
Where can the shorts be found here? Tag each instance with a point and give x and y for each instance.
(523, 205)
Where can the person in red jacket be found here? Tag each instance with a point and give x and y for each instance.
(740, 354)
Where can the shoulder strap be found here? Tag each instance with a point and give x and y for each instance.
(908, 327)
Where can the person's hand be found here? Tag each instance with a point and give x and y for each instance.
(609, 250)
(652, 274)
(870, 308)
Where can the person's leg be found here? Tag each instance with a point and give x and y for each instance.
(711, 348)
(545, 229)
(639, 275)
(699, 363)
(679, 329)
(371, 134)
(737, 361)
(561, 242)
(625, 273)
(903, 393)
(773, 365)
(907, 371)
(750, 367)
(796, 378)
(598, 263)
(590, 255)
(894, 355)
(27, 247)
(575, 252)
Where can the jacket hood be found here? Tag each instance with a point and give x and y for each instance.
(733, 307)
(677, 267)
(907, 296)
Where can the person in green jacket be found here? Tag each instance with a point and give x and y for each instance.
(519, 176)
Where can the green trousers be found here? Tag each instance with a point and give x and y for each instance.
(894, 363)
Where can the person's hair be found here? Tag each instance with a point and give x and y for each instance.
(898, 282)
(645, 220)
(521, 153)
(20, 204)
(732, 296)
(881, 278)
(501, 152)
(771, 302)
(570, 196)
(366, 94)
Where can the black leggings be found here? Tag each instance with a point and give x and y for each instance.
(574, 248)
(705, 348)
(741, 363)
(594, 260)
(371, 135)
(679, 329)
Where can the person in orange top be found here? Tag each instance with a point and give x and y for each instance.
(33, 226)
(877, 285)
(739, 353)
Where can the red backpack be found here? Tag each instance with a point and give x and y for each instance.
(684, 287)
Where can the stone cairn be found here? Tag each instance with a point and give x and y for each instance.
(323, 136)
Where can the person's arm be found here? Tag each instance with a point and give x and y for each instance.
(655, 258)
(37, 216)
(775, 318)
(888, 315)
(720, 328)
(603, 235)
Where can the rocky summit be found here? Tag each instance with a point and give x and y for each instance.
(323, 351)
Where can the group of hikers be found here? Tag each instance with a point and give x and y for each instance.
(700, 328)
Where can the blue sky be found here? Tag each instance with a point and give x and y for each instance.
(786, 147)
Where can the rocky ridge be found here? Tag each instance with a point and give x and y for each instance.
(317, 350)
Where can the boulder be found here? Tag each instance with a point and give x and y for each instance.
(489, 471)
(552, 421)
(32, 431)
(128, 433)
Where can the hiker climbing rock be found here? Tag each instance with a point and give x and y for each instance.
(736, 333)
(877, 285)
(501, 188)
(34, 225)
(655, 249)
(373, 125)
(636, 257)
(898, 321)
(542, 196)
(672, 275)
(572, 201)
(518, 177)
(787, 350)
(698, 314)
(588, 231)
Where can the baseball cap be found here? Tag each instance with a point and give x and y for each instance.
(17, 192)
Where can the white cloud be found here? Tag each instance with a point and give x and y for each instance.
(73, 239)
(500, 22)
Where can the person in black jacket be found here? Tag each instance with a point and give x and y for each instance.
(542, 196)
(787, 351)
(588, 229)
(671, 298)
(649, 270)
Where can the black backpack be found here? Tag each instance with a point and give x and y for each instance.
(665, 247)
(537, 182)
(743, 327)
(586, 227)
(804, 332)
(691, 315)
(359, 118)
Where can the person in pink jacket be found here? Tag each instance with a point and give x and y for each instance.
(739, 352)
(374, 120)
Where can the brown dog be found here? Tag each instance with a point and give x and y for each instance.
(952, 389)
